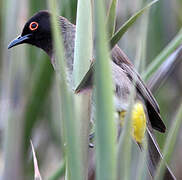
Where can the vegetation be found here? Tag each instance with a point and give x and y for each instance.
(36, 105)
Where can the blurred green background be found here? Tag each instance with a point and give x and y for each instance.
(28, 94)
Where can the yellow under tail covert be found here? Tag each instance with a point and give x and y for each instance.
(138, 122)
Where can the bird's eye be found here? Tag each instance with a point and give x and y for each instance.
(33, 26)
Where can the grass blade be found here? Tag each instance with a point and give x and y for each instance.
(40, 89)
(10, 111)
(170, 143)
(105, 125)
(87, 79)
(117, 36)
(83, 26)
(68, 9)
(59, 173)
(162, 56)
(111, 18)
(37, 175)
(83, 40)
(165, 69)
(124, 146)
(67, 103)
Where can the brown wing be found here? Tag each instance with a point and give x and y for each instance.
(122, 61)
(152, 107)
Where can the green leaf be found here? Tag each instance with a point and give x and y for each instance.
(71, 137)
(162, 56)
(124, 147)
(39, 91)
(87, 80)
(111, 18)
(83, 40)
(83, 27)
(59, 172)
(105, 124)
(164, 70)
(68, 9)
(170, 143)
(117, 36)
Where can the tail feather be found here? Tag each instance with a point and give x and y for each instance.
(155, 118)
(154, 157)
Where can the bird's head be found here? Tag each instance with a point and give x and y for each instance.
(37, 32)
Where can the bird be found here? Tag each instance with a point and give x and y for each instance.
(37, 32)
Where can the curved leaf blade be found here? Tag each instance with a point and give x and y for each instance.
(105, 124)
(162, 56)
(117, 36)
(111, 18)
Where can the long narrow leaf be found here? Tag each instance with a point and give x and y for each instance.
(68, 9)
(162, 56)
(68, 111)
(105, 125)
(80, 67)
(111, 18)
(83, 26)
(117, 36)
(87, 80)
(40, 89)
(37, 175)
(170, 143)
(59, 172)
(10, 111)
(165, 69)
(124, 147)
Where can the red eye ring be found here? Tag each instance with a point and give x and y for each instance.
(33, 26)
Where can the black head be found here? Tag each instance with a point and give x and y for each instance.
(37, 31)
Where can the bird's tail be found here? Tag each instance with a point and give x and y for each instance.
(154, 156)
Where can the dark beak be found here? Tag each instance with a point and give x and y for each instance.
(19, 40)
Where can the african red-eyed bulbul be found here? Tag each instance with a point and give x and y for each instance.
(37, 32)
